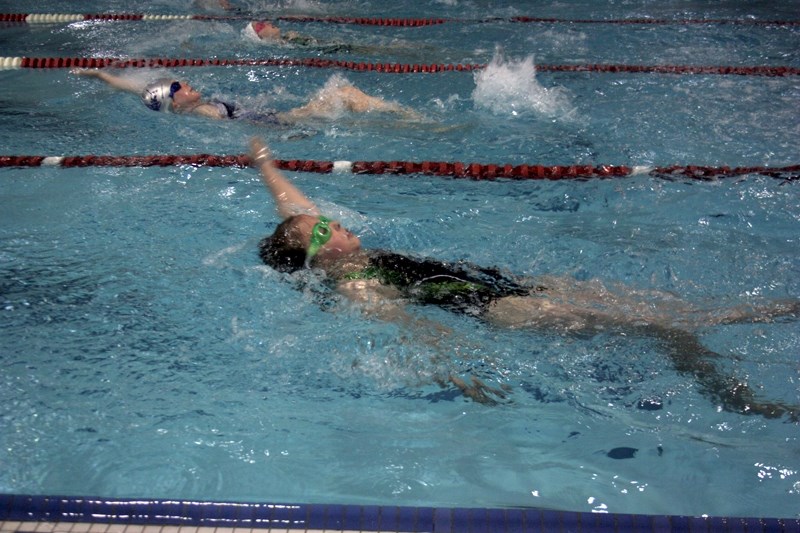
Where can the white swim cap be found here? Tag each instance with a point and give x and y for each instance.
(158, 95)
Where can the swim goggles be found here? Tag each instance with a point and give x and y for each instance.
(320, 234)
(173, 88)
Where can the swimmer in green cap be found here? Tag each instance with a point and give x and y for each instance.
(383, 283)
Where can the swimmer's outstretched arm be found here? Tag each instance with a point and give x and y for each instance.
(117, 82)
(289, 201)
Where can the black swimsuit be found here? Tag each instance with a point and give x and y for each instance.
(459, 287)
(231, 111)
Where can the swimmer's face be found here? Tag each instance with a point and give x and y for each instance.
(266, 30)
(340, 242)
(185, 95)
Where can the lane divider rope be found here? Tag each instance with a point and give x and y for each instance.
(7, 63)
(475, 171)
(50, 18)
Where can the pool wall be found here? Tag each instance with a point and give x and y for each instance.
(53, 513)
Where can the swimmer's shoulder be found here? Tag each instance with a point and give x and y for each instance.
(210, 110)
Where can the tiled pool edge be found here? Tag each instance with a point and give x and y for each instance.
(302, 517)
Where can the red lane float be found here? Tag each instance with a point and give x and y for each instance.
(393, 68)
(105, 62)
(368, 21)
(46, 18)
(676, 69)
(637, 21)
(475, 171)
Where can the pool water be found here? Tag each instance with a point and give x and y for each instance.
(145, 352)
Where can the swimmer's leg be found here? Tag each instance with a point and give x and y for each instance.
(689, 356)
(538, 313)
(349, 98)
(358, 101)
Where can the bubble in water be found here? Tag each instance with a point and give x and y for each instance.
(509, 87)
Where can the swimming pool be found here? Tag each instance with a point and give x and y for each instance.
(147, 353)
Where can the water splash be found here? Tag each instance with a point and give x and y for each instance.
(335, 107)
(509, 87)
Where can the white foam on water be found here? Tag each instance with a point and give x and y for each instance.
(509, 86)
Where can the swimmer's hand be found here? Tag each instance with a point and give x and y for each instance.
(479, 391)
(87, 72)
(259, 152)
(289, 200)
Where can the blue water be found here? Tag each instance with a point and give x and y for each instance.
(145, 352)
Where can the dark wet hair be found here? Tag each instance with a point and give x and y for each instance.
(283, 250)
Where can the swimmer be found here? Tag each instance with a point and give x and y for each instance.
(213, 4)
(171, 95)
(382, 283)
(265, 31)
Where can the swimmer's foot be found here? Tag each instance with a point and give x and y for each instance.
(761, 313)
(773, 410)
(779, 308)
(479, 391)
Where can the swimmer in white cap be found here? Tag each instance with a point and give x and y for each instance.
(168, 94)
(160, 94)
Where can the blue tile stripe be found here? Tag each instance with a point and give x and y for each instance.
(25, 508)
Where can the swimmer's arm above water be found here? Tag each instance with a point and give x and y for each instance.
(117, 82)
(288, 198)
